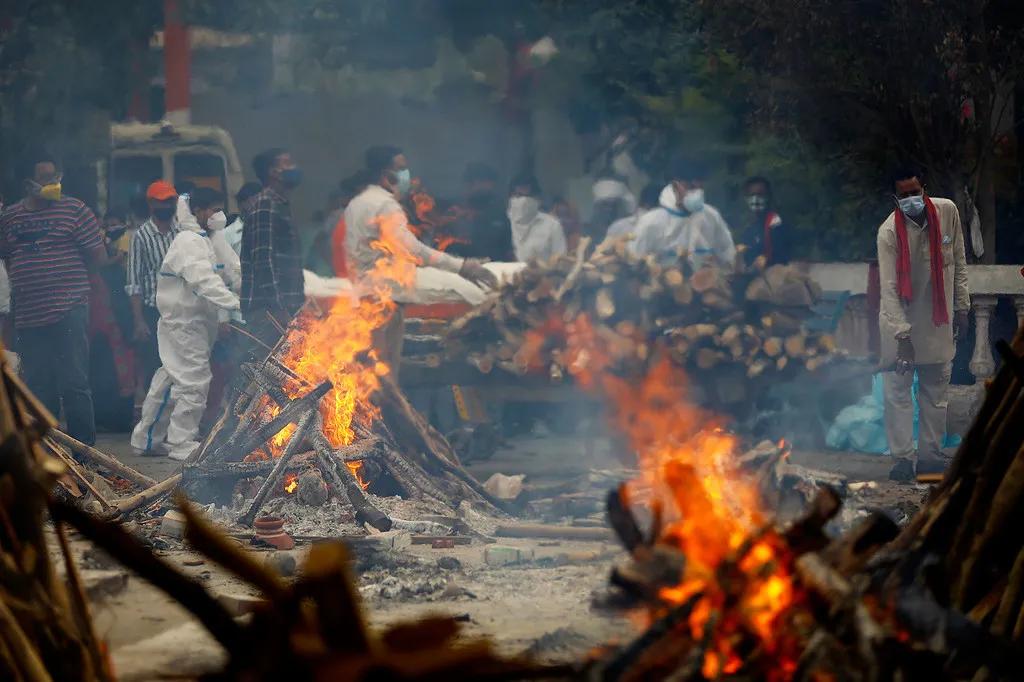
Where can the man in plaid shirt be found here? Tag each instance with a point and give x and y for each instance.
(272, 284)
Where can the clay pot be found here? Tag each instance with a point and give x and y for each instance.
(270, 529)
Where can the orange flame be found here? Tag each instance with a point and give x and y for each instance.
(291, 483)
(424, 206)
(340, 345)
(713, 512)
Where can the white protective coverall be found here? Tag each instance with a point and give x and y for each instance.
(228, 264)
(666, 230)
(535, 235)
(192, 297)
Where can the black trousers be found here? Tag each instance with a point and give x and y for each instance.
(55, 366)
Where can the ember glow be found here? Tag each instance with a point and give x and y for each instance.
(711, 511)
(339, 346)
(291, 483)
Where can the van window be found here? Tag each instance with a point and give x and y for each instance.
(129, 178)
(199, 169)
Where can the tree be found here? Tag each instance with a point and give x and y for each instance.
(654, 65)
(65, 68)
(885, 79)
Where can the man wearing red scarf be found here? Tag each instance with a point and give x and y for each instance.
(924, 304)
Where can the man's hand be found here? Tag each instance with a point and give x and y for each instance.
(140, 331)
(961, 322)
(904, 356)
(476, 273)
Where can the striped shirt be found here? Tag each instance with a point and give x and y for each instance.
(271, 259)
(147, 251)
(45, 253)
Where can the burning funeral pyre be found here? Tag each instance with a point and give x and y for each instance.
(322, 416)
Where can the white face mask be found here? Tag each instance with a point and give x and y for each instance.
(523, 209)
(693, 200)
(913, 206)
(218, 221)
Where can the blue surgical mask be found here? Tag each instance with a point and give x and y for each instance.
(693, 200)
(404, 178)
(912, 206)
(291, 177)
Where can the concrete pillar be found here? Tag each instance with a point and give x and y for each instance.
(1018, 305)
(982, 365)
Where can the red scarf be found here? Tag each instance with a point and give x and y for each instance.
(940, 315)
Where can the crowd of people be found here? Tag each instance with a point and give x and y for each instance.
(192, 276)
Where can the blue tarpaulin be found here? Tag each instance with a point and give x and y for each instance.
(861, 426)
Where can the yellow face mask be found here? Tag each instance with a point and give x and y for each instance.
(51, 192)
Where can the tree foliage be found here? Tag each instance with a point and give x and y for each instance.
(65, 68)
(881, 80)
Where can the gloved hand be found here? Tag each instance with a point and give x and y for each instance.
(475, 272)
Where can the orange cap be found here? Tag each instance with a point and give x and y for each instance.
(161, 190)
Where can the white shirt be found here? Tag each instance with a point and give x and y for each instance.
(538, 239)
(362, 228)
(665, 231)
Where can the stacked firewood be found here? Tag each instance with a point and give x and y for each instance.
(942, 598)
(705, 319)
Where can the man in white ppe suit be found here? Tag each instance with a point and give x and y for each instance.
(535, 235)
(683, 222)
(193, 298)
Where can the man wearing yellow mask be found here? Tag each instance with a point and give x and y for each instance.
(48, 241)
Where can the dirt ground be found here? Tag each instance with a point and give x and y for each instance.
(542, 606)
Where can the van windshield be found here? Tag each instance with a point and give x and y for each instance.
(197, 169)
(129, 178)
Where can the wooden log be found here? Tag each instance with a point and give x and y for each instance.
(795, 345)
(849, 553)
(604, 304)
(239, 470)
(343, 482)
(146, 497)
(290, 413)
(76, 471)
(1003, 510)
(34, 406)
(537, 530)
(772, 347)
(101, 459)
(757, 368)
(273, 478)
(577, 268)
(707, 279)
(1011, 603)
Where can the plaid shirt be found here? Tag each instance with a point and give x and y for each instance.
(271, 256)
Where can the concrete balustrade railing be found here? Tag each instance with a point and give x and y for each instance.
(988, 283)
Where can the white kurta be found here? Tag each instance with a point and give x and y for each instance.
(703, 235)
(538, 239)
(363, 217)
(932, 344)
